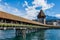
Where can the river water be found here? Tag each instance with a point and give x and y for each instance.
(49, 34)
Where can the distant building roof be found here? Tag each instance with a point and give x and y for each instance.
(17, 18)
(41, 14)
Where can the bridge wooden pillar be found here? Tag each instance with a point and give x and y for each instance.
(41, 34)
(21, 32)
(18, 32)
(5, 21)
(11, 22)
(2, 20)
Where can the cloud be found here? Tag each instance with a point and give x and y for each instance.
(6, 4)
(57, 15)
(31, 11)
(25, 4)
(9, 9)
(43, 4)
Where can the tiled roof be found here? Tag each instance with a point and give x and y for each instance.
(41, 14)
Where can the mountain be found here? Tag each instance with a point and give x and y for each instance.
(51, 18)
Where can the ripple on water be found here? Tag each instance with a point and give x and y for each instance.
(7, 34)
(52, 34)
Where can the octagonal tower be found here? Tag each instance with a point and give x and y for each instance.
(41, 17)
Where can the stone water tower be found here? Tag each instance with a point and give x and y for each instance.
(41, 17)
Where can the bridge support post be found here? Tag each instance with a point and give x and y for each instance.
(41, 34)
(2, 20)
(18, 32)
(21, 32)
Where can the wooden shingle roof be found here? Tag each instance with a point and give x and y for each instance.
(13, 17)
(41, 14)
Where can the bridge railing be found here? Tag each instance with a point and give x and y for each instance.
(20, 25)
(10, 24)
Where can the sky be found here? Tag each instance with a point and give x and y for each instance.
(30, 8)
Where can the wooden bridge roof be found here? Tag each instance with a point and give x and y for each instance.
(17, 18)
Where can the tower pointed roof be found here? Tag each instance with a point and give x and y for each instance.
(41, 14)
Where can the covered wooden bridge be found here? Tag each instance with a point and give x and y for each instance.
(11, 21)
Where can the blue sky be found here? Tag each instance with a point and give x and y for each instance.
(30, 8)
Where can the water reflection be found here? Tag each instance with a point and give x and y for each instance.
(50, 34)
(36, 36)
